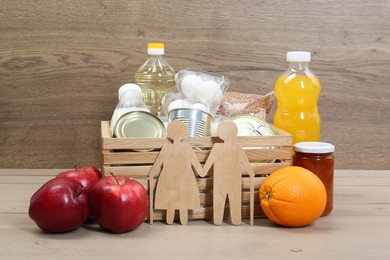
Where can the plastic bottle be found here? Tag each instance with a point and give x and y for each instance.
(130, 99)
(297, 91)
(156, 79)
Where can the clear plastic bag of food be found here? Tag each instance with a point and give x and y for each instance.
(236, 103)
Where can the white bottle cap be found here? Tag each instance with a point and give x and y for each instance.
(314, 147)
(298, 56)
(126, 87)
(155, 48)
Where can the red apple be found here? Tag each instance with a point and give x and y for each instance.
(87, 176)
(60, 205)
(119, 204)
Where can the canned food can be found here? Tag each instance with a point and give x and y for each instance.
(139, 124)
(252, 126)
(197, 121)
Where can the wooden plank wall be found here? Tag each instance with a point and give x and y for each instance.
(61, 63)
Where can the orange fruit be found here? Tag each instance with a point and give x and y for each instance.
(292, 196)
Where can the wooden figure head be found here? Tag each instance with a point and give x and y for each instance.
(176, 131)
(227, 131)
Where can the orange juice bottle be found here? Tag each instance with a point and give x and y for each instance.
(297, 91)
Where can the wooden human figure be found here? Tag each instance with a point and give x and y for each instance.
(177, 187)
(227, 158)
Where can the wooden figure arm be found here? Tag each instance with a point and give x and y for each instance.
(248, 168)
(197, 167)
(153, 172)
(157, 164)
(210, 161)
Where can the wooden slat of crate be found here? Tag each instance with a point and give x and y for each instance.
(119, 157)
(109, 143)
(196, 142)
(134, 158)
(206, 200)
(206, 184)
(142, 171)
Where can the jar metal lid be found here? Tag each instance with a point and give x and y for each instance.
(314, 147)
(139, 124)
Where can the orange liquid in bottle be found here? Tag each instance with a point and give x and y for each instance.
(297, 91)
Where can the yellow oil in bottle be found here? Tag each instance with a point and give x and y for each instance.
(297, 91)
(156, 79)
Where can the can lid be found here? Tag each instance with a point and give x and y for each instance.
(298, 56)
(314, 147)
(156, 48)
(252, 126)
(139, 124)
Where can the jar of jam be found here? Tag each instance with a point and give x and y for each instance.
(318, 158)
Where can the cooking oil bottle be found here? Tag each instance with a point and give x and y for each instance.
(297, 91)
(156, 79)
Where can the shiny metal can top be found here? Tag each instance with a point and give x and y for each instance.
(252, 126)
(139, 124)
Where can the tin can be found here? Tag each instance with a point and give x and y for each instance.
(139, 124)
(197, 121)
(252, 126)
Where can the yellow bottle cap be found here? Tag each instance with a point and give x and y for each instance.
(155, 45)
(155, 48)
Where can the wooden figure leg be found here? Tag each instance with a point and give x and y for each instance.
(235, 208)
(219, 207)
(170, 216)
(184, 216)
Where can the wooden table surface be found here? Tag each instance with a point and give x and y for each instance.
(358, 228)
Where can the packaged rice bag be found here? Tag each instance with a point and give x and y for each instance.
(236, 103)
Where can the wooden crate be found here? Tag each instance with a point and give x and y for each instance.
(265, 154)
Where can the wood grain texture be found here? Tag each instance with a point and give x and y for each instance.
(61, 63)
(357, 228)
